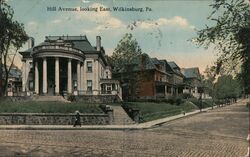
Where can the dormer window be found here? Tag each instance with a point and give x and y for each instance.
(60, 40)
(67, 45)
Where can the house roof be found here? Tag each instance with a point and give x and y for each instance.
(173, 65)
(13, 73)
(175, 68)
(136, 63)
(26, 52)
(145, 62)
(191, 72)
(155, 61)
(167, 66)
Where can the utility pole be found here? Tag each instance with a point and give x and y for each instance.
(1, 76)
(1, 53)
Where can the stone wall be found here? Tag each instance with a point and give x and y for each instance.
(53, 119)
(16, 98)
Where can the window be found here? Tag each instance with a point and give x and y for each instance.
(101, 72)
(89, 66)
(107, 75)
(108, 88)
(9, 87)
(89, 85)
(75, 84)
(114, 87)
(31, 64)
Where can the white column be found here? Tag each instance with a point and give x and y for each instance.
(78, 76)
(69, 77)
(27, 70)
(45, 76)
(82, 79)
(23, 76)
(166, 88)
(57, 76)
(36, 78)
(172, 91)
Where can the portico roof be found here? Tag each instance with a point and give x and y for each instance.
(75, 47)
(78, 42)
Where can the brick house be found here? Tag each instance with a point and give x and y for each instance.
(150, 78)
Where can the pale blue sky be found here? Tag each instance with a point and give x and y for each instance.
(164, 32)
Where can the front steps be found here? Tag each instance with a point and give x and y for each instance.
(121, 117)
(49, 98)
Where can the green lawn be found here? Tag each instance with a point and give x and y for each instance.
(47, 107)
(205, 102)
(151, 111)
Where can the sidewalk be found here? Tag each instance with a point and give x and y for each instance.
(145, 125)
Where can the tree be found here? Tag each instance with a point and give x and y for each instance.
(208, 80)
(230, 35)
(227, 87)
(12, 35)
(125, 51)
(244, 40)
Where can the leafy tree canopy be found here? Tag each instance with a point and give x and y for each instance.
(227, 87)
(125, 51)
(230, 35)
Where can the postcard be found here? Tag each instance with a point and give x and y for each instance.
(124, 78)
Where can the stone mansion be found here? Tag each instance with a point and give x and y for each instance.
(67, 65)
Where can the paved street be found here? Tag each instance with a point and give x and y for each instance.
(217, 133)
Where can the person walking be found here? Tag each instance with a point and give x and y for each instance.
(248, 141)
(77, 119)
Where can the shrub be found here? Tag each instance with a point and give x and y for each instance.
(72, 98)
(187, 96)
(174, 100)
(178, 101)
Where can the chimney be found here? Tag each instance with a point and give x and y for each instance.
(98, 43)
(31, 42)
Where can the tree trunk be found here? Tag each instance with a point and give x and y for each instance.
(1, 67)
(6, 68)
(6, 76)
(5, 82)
(1, 76)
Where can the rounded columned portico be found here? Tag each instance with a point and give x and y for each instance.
(60, 67)
(68, 65)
